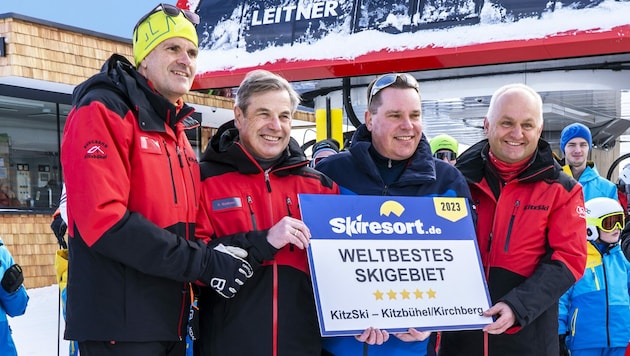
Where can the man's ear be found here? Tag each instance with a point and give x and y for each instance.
(238, 117)
(368, 120)
(486, 124)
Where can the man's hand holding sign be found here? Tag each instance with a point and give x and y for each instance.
(394, 263)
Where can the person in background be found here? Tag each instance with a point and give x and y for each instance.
(59, 226)
(623, 188)
(322, 149)
(8, 198)
(132, 249)
(444, 147)
(530, 230)
(576, 143)
(390, 155)
(252, 172)
(594, 317)
(13, 298)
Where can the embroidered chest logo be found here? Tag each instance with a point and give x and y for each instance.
(537, 207)
(95, 149)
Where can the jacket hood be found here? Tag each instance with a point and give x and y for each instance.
(224, 149)
(119, 76)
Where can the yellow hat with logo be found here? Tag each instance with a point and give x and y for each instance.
(159, 26)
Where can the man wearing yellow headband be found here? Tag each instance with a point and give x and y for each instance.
(132, 183)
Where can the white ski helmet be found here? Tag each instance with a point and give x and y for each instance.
(597, 208)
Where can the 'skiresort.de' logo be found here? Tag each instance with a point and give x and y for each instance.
(352, 226)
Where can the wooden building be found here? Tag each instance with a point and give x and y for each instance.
(40, 64)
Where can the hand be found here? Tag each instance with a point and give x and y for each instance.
(12, 279)
(505, 320)
(289, 231)
(59, 227)
(227, 270)
(413, 335)
(564, 351)
(373, 336)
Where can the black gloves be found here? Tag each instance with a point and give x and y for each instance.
(564, 351)
(12, 279)
(59, 227)
(226, 269)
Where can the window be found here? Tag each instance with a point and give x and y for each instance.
(30, 173)
(30, 140)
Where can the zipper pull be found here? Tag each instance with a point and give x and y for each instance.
(291, 246)
(289, 207)
(179, 156)
(267, 180)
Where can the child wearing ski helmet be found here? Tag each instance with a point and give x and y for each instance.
(594, 314)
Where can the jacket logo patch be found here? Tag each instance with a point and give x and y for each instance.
(227, 203)
(537, 207)
(150, 145)
(95, 149)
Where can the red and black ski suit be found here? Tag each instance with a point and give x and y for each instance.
(132, 186)
(274, 312)
(531, 233)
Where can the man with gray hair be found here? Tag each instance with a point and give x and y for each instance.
(252, 172)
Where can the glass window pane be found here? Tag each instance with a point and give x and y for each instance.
(30, 175)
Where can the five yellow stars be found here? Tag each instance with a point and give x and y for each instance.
(418, 294)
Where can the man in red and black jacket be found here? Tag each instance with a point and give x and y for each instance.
(132, 182)
(531, 230)
(252, 172)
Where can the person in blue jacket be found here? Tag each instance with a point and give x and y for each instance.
(13, 298)
(389, 155)
(576, 143)
(594, 314)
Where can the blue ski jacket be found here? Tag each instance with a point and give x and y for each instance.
(595, 311)
(11, 304)
(356, 173)
(593, 184)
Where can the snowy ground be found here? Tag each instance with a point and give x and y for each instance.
(35, 333)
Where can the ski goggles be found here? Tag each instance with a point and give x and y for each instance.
(172, 11)
(450, 155)
(608, 222)
(387, 80)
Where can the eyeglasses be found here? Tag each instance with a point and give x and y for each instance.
(608, 222)
(316, 160)
(172, 11)
(387, 80)
(450, 155)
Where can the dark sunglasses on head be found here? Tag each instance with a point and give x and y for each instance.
(172, 11)
(387, 80)
(609, 222)
(445, 154)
